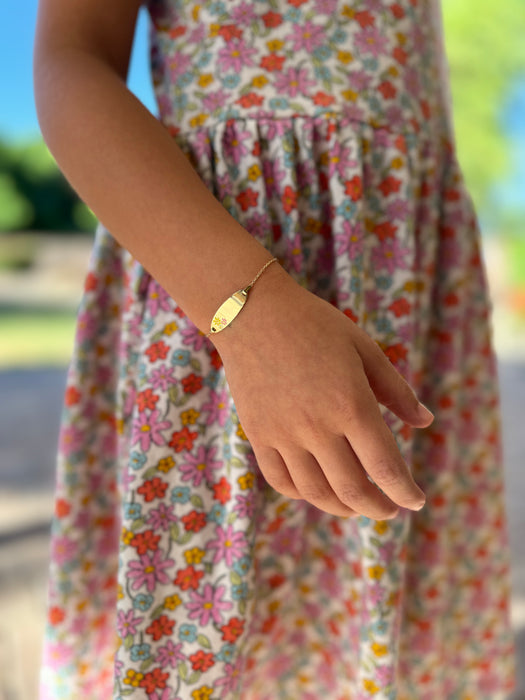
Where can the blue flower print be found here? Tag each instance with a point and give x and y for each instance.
(180, 494)
(132, 511)
(143, 601)
(188, 633)
(139, 652)
(180, 357)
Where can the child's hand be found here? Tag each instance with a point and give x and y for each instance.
(306, 382)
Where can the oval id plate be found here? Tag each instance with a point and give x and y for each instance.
(228, 311)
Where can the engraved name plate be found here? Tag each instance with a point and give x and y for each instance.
(228, 310)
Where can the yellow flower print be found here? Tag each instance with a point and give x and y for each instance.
(126, 536)
(198, 120)
(345, 56)
(381, 527)
(397, 163)
(240, 432)
(401, 38)
(189, 417)
(194, 555)
(370, 687)
(170, 328)
(379, 649)
(205, 79)
(254, 172)
(195, 13)
(120, 592)
(120, 426)
(165, 464)
(303, 678)
(376, 571)
(246, 481)
(348, 11)
(275, 44)
(172, 601)
(214, 29)
(312, 225)
(202, 693)
(394, 72)
(133, 678)
(259, 81)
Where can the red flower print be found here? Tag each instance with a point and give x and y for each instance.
(143, 541)
(289, 199)
(321, 98)
(215, 359)
(251, 99)
(192, 383)
(160, 627)
(400, 55)
(147, 399)
(296, 3)
(400, 307)
(364, 19)
(397, 11)
(194, 521)
(201, 661)
(387, 89)
(62, 508)
(72, 396)
(390, 184)
(248, 198)
(351, 315)
(153, 680)
(55, 615)
(177, 31)
(354, 188)
(153, 488)
(272, 62)
(276, 580)
(396, 352)
(385, 230)
(90, 283)
(272, 19)
(188, 578)
(233, 630)
(182, 439)
(157, 351)
(222, 491)
(230, 31)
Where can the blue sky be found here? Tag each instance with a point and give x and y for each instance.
(17, 26)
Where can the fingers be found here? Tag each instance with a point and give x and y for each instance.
(375, 447)
(348, 480)
(275, 471)
(388, 385)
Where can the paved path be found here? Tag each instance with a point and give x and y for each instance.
(29, 416)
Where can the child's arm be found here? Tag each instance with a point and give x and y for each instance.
(304, 378)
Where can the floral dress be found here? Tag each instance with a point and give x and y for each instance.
(177, 573)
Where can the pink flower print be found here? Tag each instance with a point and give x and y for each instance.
(161, 377)
(58, 655)
(295, 253)
(293, 81)
(258, 225)
(169, 655)
(235, 55)
(231, 676)
(209, 604)
(370, 40)
(359, 80)
(214, 100)
(229, 545)
(397, 210)
(243, 13)
(166, 694)
(158, 298)
(199, 466)
(86, 326)
(306, 35)
(245, 506)
(272, 177)
(197, 35)
(339, 160)
(287, 540)
(235, 141)
(218, 407)
(390, 255)
(71, 440)
(192, 336)
(180, 63)
(63, 549)
(127, 624)
(147, 429)
(325, 7)
(149, 569)
(351, 240)
(161, 517)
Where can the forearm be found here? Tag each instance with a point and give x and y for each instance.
(129, 170)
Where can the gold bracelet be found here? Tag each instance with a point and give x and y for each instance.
(230, 308)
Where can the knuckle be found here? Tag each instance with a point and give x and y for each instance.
(350, 494)
(316, 493)
(385, 473)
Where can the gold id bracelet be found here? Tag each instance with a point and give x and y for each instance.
(230, 308)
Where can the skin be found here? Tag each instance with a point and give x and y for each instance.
(306, 380)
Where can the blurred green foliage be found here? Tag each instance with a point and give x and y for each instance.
(34, 195)
(486, 54)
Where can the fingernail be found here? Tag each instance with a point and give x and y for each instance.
(423, 412)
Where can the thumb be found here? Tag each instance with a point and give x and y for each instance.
(390, 388)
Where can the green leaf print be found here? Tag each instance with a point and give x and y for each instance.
(149, 473)
(204, 641)
(186, 537)
(128, 642)
(194, 677)
(232, 517)
(183, 670)
(157, 612)
(235, 578)
(137, 524)
(147, 663)
(174, 532)
(197, 500)
(173, 393)
(195, 364)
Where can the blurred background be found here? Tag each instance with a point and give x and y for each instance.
(45, 238)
